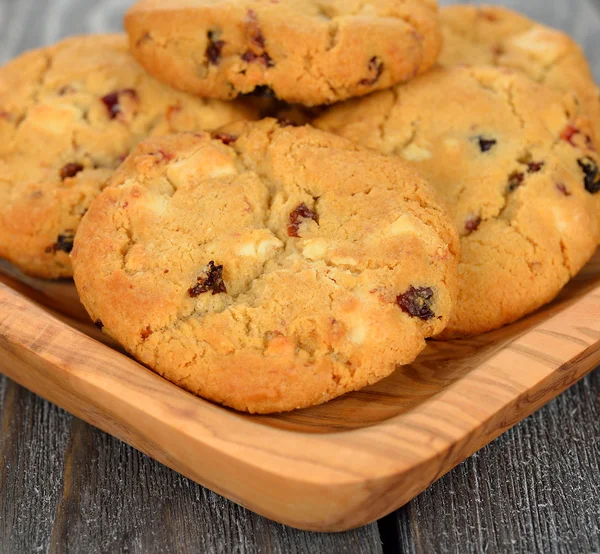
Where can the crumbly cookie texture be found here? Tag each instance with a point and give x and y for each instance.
(478, 35)
(306, 51)
(268, 268)
(69, 114)
(521, 180)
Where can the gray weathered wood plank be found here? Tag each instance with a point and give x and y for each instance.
(68, 487)
(535, 489)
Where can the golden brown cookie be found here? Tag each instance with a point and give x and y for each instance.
(478, 35)
(306, 51)
(69, 114)
(521, 181)
(269, 268)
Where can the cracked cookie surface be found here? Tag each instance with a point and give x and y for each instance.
(69, 114)
(494, 35)
(306, 51)
(267, 268)
(521, 181)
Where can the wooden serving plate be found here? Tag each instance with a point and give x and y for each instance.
(329, 468)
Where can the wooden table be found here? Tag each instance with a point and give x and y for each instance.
(67, 487)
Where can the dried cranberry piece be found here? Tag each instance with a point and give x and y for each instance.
(254, 30)
(590, 170)
(70, 170)
(297, 216)
(515, 180)
(64, 243)
(225, 138)
(569, 132)
(417, 302)
(212, 282)
(146, 332)
(534, 167)
(563, 189)
(376, 69)
(472, 223)
(214, 48)
(263, 58)
(485, 144)
(98, 323)
(112, 101)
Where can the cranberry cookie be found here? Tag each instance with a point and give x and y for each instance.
(521, 180)
(501, 37)
(306, 51)
(268, 268)
(69, 114)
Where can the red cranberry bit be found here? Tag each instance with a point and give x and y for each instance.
(263, 58)
(485, 144)
(146, 333)
(534, 167)
(472, 223)
(375, 69)
(301, 213)
(590, 170)
(98, 323)
(4, 115)
(569, 133)
(112, 101)
(417, 302)
(64, 243)
(515, 180)
(563, 189)
(214, 48)
(254, 30)
(225, 138)
(70, 170)
(212, 282)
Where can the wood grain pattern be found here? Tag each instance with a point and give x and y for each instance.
(67, 487)
(535, 489)
(431, 523)
(400, 435)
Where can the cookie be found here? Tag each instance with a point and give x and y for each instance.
(268, 268)
(305, 51)
(501, 37)
(69, 114)
(520, 180)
